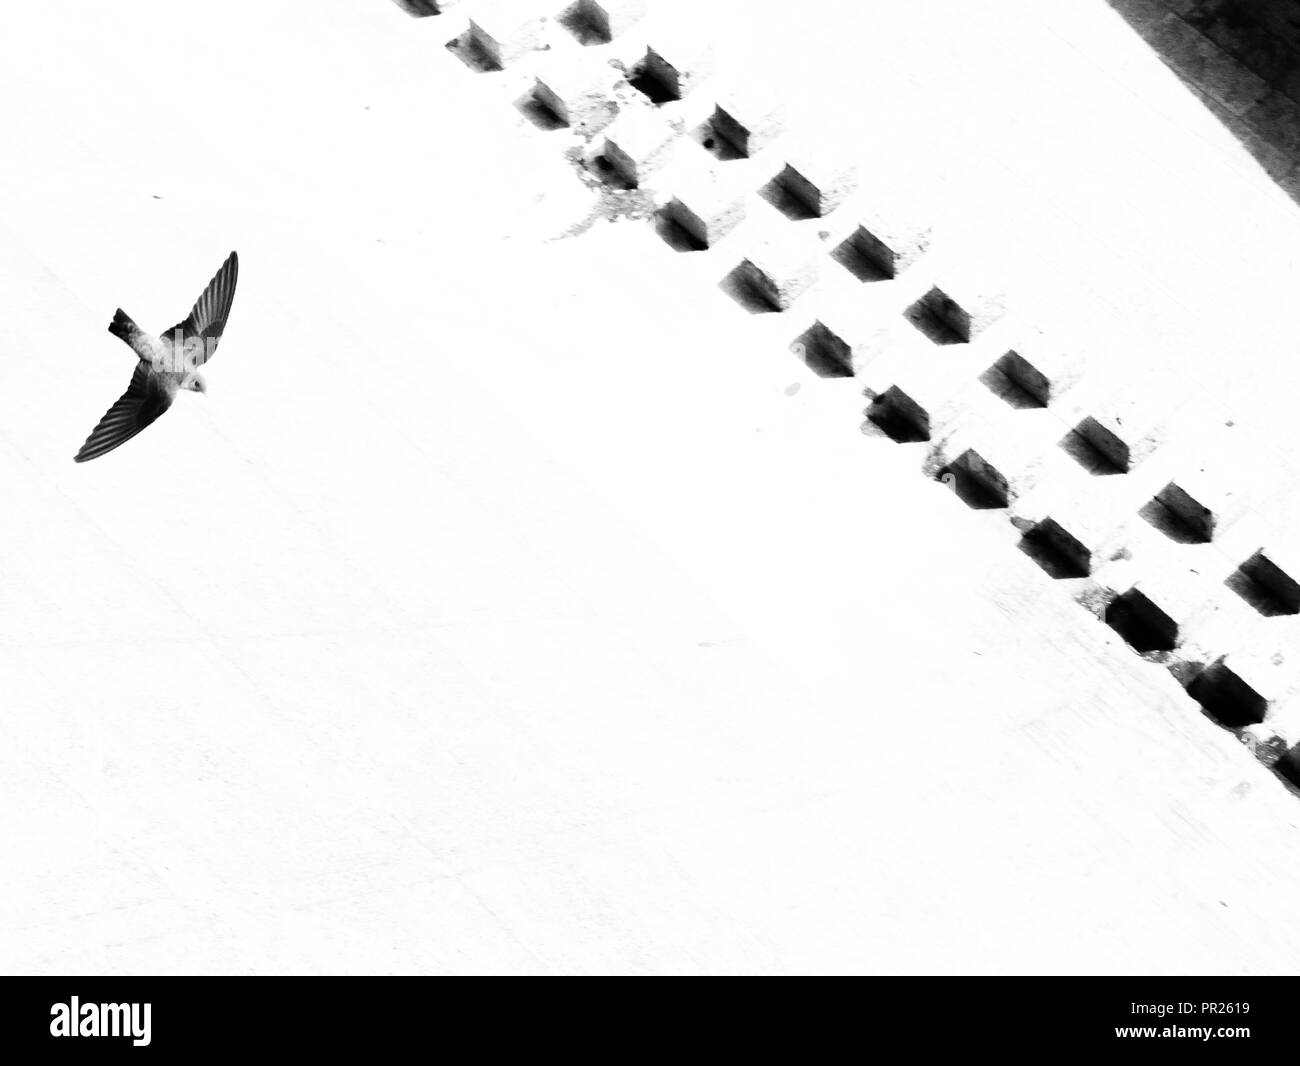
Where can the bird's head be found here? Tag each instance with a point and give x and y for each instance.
(195, 383)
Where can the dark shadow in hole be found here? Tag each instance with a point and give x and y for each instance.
(469, 52)
(1265, 587)
(824, 364)
(673, 234)
(899, 417)
(1026, 385)
(1255, 595)
(582, 27)
(1287, 768)
(538, 113)
(978, 485)
(1085, 445)
(1141, 623)
(738, 286)
(1170, 523)
(650, 85)
(1060, 555)
(850, 256)
(606, 172)
(714, 143)
(1249, 40)
(825, 354)
(780, 195)
(1185, 520)
(420, 8)
(1009, 391)
(1227, 699)
(931, 325)
(1014, 380)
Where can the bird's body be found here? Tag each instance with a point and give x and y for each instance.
(155, 351)
(165, 365)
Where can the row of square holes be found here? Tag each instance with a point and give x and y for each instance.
(1014, 379)
(1258, 580)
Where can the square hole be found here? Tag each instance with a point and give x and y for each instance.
(674, 234)
(740, 286)
(470, 51)
(975, 480)
(421, 8)
(1178, 516)
(534, 107)
(585, 24)
(1288, 766)
(927, 316)
(1265, 586)
(1227, 698)
(1059, 554)
(715, 142)
(1096, 448)
(826, 353)
(1014, 379)
(655, 79)
(865, 257)
(791, 194)
(747, 129)
(900, 417)
(1141, 623)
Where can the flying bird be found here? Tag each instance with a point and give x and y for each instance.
(166, 364)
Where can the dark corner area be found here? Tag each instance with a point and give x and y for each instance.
(1242, 58)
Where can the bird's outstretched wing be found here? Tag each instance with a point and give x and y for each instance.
(145, 399)
(202, 329)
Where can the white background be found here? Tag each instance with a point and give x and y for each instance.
(515, 604)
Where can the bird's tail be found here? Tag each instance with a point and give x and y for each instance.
(123, 327)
